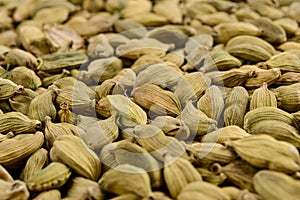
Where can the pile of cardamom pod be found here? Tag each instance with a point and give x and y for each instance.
(149, 99)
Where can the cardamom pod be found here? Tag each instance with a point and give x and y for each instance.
(157, 100)
(13, 190)
(212, 103)
(271, 32)
(42, 105)
(294, 11)
(221, 60)
(9, 89)
(127, 113)
(136, 48)
(238, 194)
(202, 190)
(223, 32)
(53, 130)
(230, 78)
(239, 173)
(18, 123)
(109, 86)
(26, 77)
(52, 176)
(285, 61)
(172, 127)
(157, 143)
(4, 175)
(19, 57)
(272, 154)
(21, 102)
(168, 36)
(124, 179)
(157, 195)
(82, 188)
(53, 194)
(48, 80)
(176, 57)
(230, 132)
(169, 9)
(211, 177)
(269, 76)
(196, 120)
(278, 130)
(65, 115)
(58, 61)
(267, 113)
(36, 162)
(276, 185)
(65, 149)
(150, 19)
(289, 25)
(101, 133)
(262, 97)
(71, 81)
(236, 106)
(84, 122)
(250, 48)
(215, 18)
(103, 107)
(126, 152)
(42, 14)
(100, 70)
(33, 39)
(15, 151)
(204, 154)
(178, 172)
(77, 99)
(61, 37)
(126, 78)
(130, 28)
(288, 97)
(191, 86)
(159, 74)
